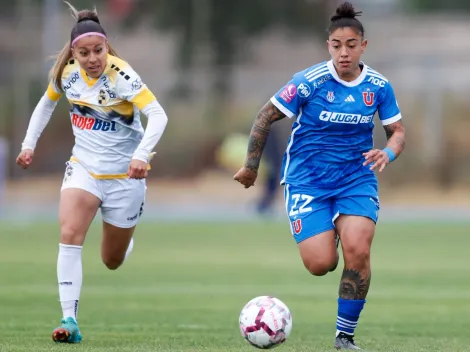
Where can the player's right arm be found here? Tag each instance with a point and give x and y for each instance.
(286, 102)
(39, 120)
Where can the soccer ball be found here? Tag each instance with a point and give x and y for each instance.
(265, 322)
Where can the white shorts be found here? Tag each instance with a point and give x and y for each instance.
(122, 200)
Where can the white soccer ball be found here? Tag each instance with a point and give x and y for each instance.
(265, 322)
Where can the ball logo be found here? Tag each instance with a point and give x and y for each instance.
(303, 90)
(289, 93)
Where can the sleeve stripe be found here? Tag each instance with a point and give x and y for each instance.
(281, 107)
(391, 120)
(142, 99)
(52, 94)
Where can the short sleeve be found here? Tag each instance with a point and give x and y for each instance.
(290, 98)
(52, 92)
(132, 89)
(388, 109)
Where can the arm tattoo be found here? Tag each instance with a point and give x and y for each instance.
(396, 137)
(259, 134)
(353, 286)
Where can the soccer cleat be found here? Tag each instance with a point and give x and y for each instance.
(68, 332)
(345, 342)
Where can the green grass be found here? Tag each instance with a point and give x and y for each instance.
(184, 285)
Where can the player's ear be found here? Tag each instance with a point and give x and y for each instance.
(328, 45)
(364, 44)
(73, 53)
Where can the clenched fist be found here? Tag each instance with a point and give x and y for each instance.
(246, 177)
(25, 158)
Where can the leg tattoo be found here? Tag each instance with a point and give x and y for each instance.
(353, 285)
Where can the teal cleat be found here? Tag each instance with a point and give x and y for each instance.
(68, 332)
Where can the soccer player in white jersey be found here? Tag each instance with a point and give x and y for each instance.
(110, 159)
(328, 168)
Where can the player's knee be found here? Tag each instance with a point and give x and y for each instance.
(113, 263)
(71, 235)
(357, 256)
(318, 268)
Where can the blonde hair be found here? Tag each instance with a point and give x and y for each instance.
(63, 56)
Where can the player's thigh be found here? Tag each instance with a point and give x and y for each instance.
(114, 244)
(356, 234)
(357, 211)
(79, 202)
(123, 204)
(312, 228)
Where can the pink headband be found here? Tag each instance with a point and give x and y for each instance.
(87, 34)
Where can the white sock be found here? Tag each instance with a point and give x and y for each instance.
(70, 277)
(130, 248)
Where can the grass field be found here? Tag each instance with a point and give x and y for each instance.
(184, 285)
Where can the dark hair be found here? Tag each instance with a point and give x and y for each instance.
(345, 16)
(87, 21)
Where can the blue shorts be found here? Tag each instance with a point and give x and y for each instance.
(312, 210)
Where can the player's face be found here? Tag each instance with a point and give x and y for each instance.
(346, 47)
(91, 53)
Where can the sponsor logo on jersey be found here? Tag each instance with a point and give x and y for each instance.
(93, 124)
(107, 88)
(72, 80)
(75, 95)
(303, 90)
(346, 118)
(137, 84)
(322, 80)
(288, 93)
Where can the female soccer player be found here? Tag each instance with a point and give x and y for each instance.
(328, 167)
(110, 158)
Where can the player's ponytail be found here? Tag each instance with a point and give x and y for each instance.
(345, 16)
(87, 22)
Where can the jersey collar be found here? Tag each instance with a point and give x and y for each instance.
(356, 82)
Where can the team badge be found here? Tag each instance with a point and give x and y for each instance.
(368, 98)
(102, 97)
(68, 172)
(297, 226)
(330, 96)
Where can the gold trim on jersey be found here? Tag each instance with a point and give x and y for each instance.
(124, 108)
(52, 94)
(112, 176)
(69, 68)
(142, 99)
(89, 81)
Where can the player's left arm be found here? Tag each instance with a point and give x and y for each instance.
(136, 92)
(395, 133)
(390, 116)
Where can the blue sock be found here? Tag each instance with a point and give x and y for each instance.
(348, 315)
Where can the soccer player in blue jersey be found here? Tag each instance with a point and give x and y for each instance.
(328, 168)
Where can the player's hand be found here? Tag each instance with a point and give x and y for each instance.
(246, 177)
(25, 158)
(378, 158)
(137, 169)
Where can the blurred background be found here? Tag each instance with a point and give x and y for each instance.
(212, 64)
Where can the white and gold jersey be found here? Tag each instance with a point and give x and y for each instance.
(105, 115)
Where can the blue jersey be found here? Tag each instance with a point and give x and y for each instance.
(334, 126)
